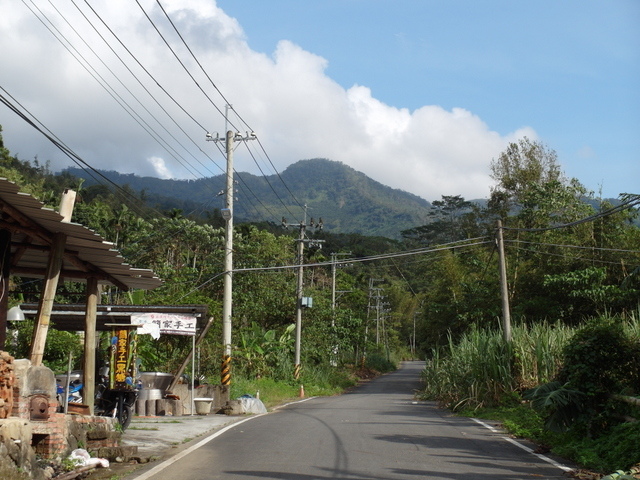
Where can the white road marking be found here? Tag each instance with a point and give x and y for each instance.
(524, 447)
(161, 466)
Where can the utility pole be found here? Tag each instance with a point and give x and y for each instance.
(334, 350)
(506, 314)
(413, 339)
(369, 307)
(227, 214)
(299, 288)
(297, 364)
(333, 282)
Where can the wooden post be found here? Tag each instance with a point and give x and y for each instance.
(190, 355)
(89, 362)
(45, 305)
(67, 203)
(5, 258)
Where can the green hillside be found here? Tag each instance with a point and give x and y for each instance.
(347, 200)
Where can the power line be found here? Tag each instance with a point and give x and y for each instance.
(147, 90)
(110, 90)
(49, 135)
(207, 96)
(131, 111)
(164, 90)
(221, 94)
(560, 255)
(631, 202)
(197, 62)
(576, 246)
(439, 248)
(175, 55)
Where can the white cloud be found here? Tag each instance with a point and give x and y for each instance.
(297, 110)
(160, 168)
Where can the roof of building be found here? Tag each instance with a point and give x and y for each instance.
(34, 228)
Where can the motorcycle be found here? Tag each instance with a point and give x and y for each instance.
(73, 394)
(115, 403)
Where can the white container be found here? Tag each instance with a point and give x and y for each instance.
(203, 405)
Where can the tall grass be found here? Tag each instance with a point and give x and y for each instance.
(482, 370)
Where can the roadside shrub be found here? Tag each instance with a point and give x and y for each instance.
(379, 363)
(600, 361)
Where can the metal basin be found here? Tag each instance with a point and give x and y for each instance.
(155, 380)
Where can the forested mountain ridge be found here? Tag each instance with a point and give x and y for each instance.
(347, 200)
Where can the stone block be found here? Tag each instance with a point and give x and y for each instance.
(150, 407)
(163, 408)
(141, 407)
(122, 454)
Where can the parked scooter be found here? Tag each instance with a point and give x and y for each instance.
(114, 403)
(73, 395)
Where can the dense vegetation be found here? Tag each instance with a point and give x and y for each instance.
(433, 292)
(348, 200)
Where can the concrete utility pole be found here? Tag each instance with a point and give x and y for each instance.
(506, 314)
(299, 289)
(297, 364)
(369, 307)
(227, 214)
(334, 265)
(334, 351)
(413, 338)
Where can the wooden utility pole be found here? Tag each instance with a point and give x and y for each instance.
(506, 313)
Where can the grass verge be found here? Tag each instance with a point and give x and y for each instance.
(617, 450)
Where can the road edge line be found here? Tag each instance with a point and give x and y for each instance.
(169, 461)
(524, 447)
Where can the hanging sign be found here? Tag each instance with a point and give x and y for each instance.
(122, 358)
(169, 323)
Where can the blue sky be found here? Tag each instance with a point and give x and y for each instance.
(419, 95)
(568, 69)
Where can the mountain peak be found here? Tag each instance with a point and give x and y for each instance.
(346, 199)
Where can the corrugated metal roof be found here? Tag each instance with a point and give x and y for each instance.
(87, 254)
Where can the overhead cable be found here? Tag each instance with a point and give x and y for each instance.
(631, 202)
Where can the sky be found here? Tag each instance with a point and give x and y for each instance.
(419, 95)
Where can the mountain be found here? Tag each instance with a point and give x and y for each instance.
(347, 200)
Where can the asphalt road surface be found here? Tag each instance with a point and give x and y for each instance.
(378, 431)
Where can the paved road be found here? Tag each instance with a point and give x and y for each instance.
(376, 432)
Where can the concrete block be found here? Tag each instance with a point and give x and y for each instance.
(163, 407)
(176, 407)
(150, 407)
(141, 407)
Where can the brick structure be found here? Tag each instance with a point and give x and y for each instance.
(6, 384)
(33, 427)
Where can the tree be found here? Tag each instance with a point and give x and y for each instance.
(521, 166)
(454, 218)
